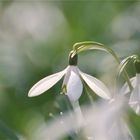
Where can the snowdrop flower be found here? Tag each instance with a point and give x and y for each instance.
(134, 100)
(72, 84)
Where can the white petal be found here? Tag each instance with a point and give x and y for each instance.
(125, 89)
(74, 85)
(45, 84)
(96, 85)
(134, 101)
(67, 75)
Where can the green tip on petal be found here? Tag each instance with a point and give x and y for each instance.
(64, 89)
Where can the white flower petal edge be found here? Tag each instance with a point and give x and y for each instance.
(67, 75)
(96, 85)
(125, 89)
(73, 84)
(134, 100)
(46, 83)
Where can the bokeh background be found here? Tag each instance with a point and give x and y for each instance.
(35, 40)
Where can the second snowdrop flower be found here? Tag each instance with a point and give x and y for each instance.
(72, 84)
(134, 100)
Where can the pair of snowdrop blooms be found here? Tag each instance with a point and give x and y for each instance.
(73, 82)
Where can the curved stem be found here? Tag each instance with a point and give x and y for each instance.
(90, 45)
(125, 73)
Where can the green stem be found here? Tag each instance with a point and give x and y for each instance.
(125, 73)
(87, 45)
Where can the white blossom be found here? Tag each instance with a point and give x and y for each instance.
(134, 100)
(72, 84)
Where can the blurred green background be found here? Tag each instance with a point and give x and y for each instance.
(35, 40)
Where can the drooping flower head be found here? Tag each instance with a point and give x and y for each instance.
(73, 78)
(134, 100)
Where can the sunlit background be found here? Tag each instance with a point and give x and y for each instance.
(35, 40)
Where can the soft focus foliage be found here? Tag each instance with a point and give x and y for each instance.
(35, 39)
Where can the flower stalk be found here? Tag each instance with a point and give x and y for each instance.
(90, 45)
